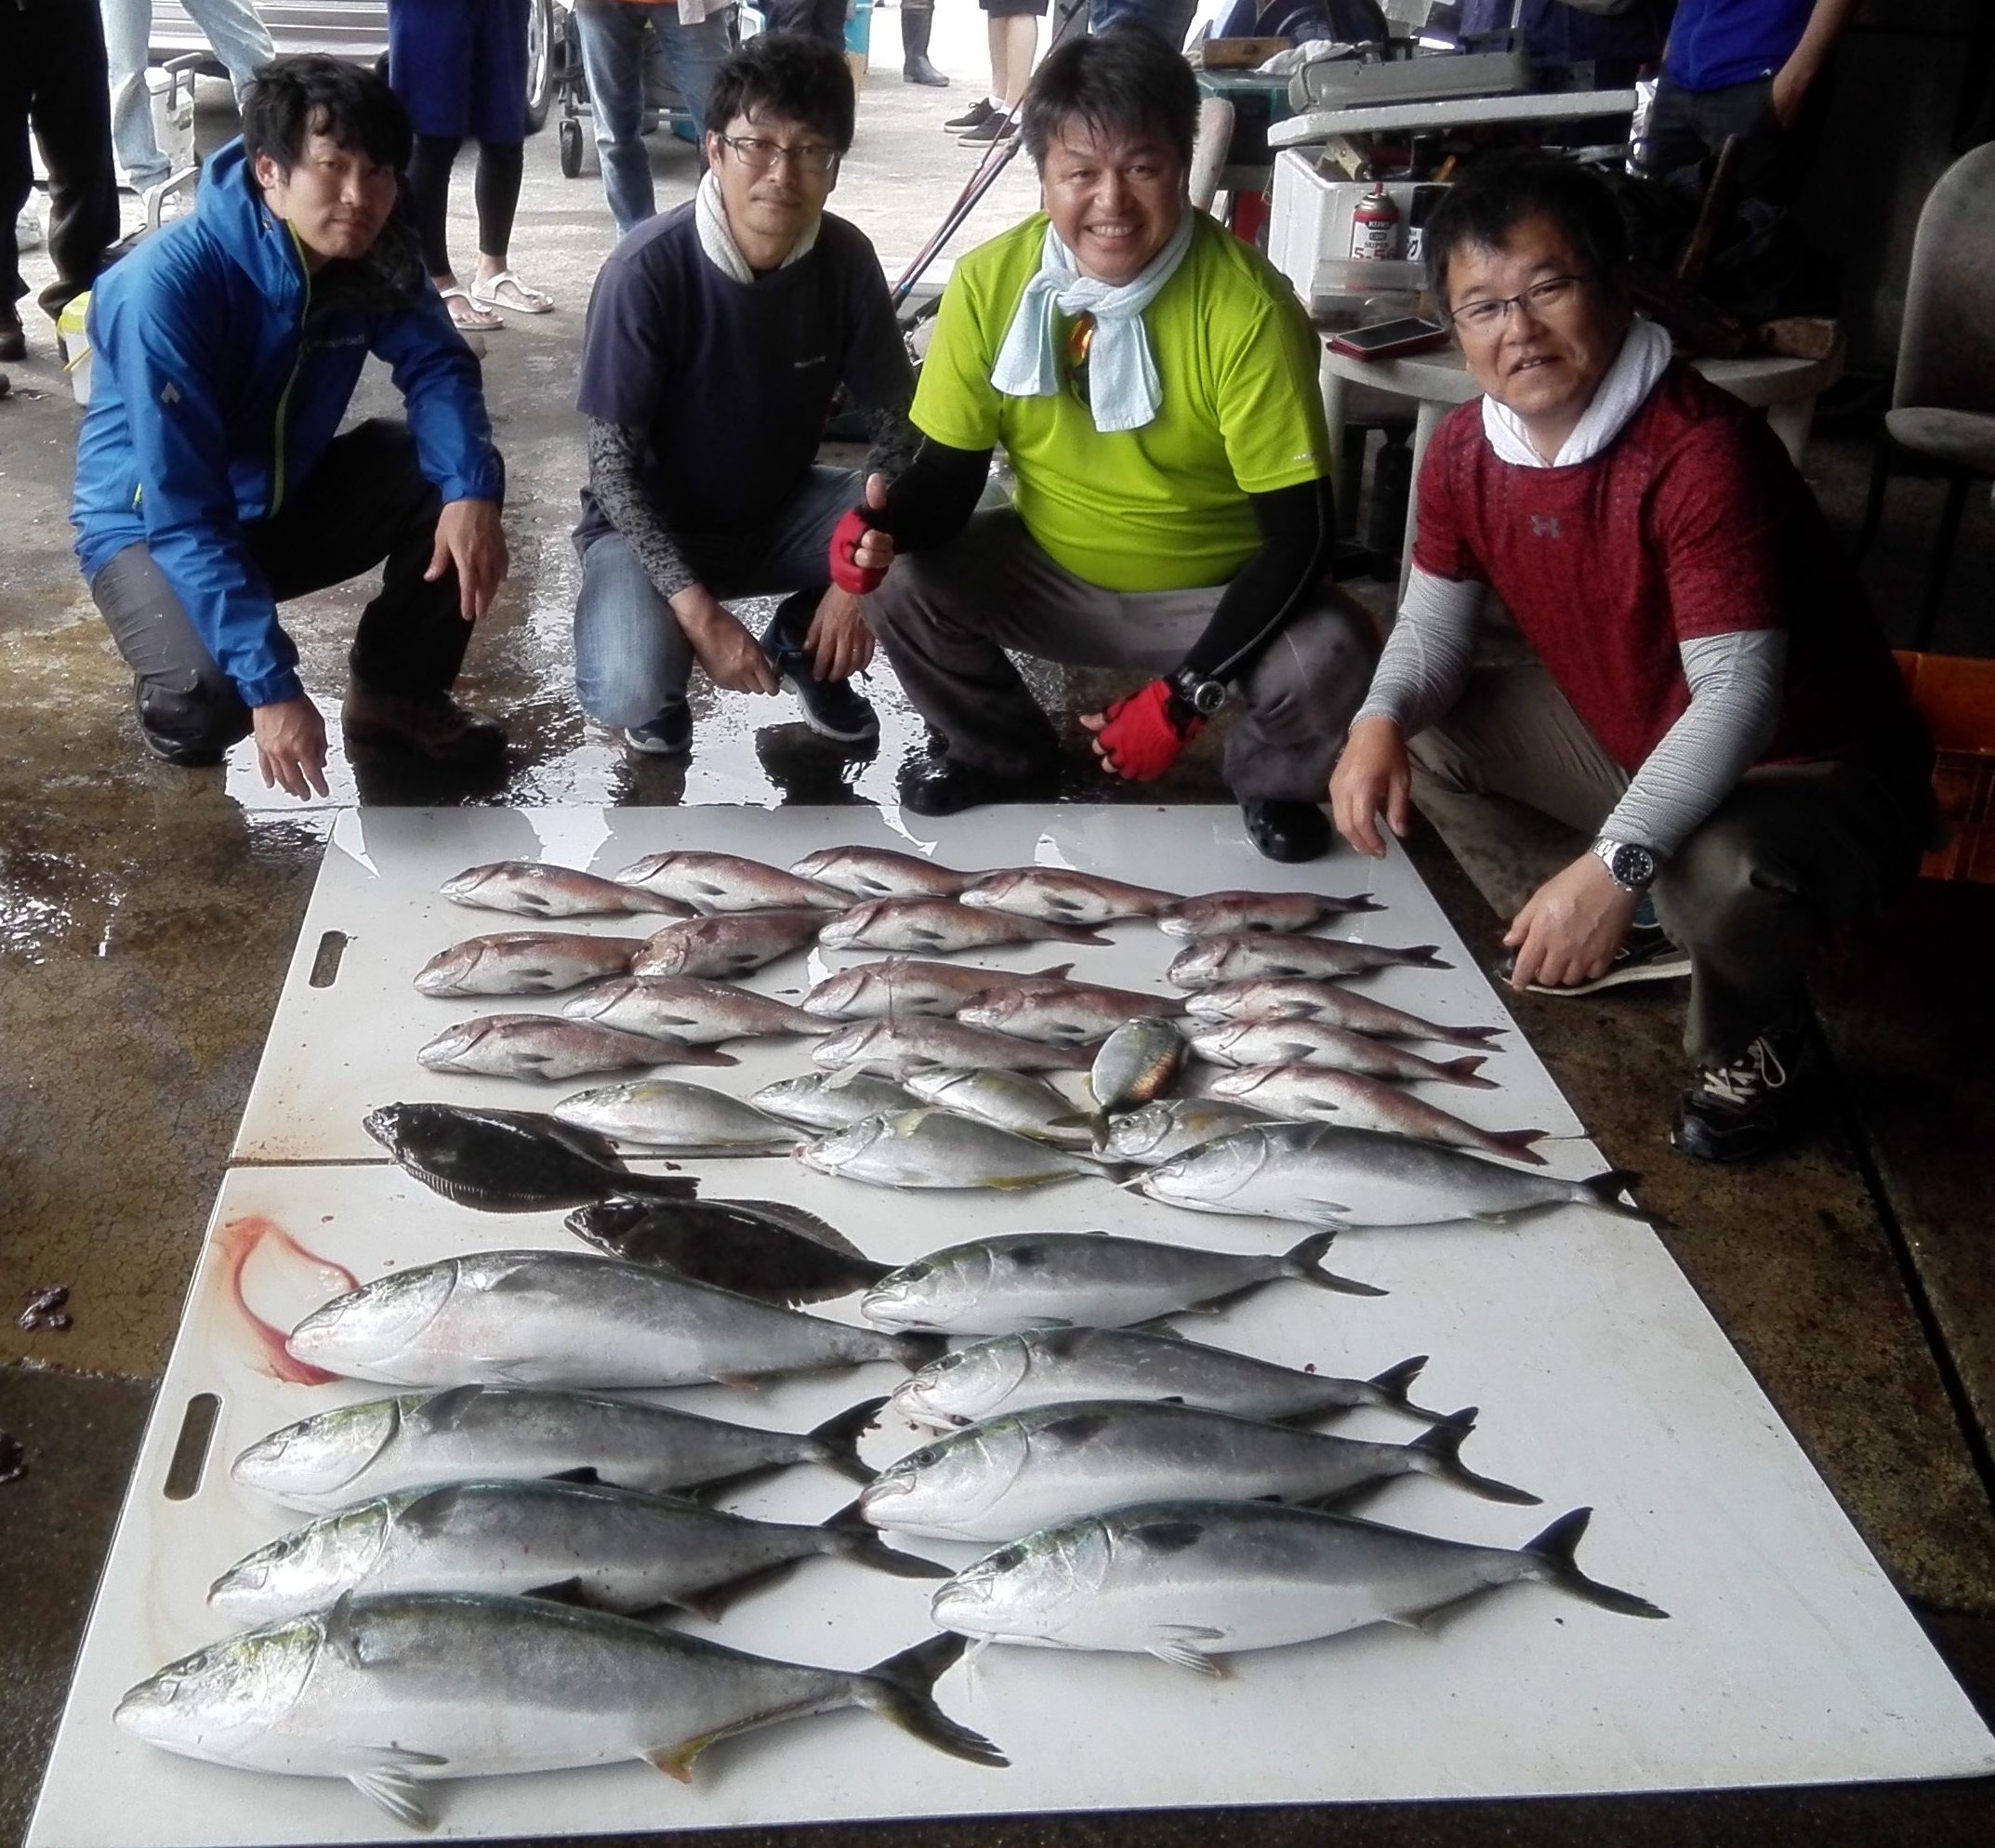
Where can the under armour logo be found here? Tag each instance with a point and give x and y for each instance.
(1544, 526)
(171, 395)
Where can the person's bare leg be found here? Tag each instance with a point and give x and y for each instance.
(994, 30)
(1022, 46)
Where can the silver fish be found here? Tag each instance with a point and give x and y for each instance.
(537, 891)
(1322, 1175)
(1050, 1367)
(1020, 1471)
(525, 962)
(1065, 897)
(725, 882)
(480, 1686)
(880, 872)
(466, 1432)
(1300, 1042)
(1313, 1093)
(546, 1047)
(831, 1100)
(1186, 1582)
(734, 945)
(939, 926)
(1065, 1010)
(690, 1008)
(906, 986)
(1019, 1280)
(674, 1118)
(932, 1148)
(1140, 1061)
(1014, 1101)
(1243, 956)
(611, 1549)
(1173, 1125)
(899, 1044)
(563, 1318)
(1214, 913)
(1296, 997)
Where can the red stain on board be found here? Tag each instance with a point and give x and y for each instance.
(238, 1242)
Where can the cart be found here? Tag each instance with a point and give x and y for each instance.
(664, 107)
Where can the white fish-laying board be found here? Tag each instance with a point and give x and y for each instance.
(1602, 1380)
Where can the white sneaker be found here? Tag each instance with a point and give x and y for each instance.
(28, 230)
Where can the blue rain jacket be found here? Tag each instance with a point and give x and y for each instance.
(210, 402)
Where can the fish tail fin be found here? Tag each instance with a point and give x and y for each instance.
(916, 1351)
(840, 1435)
(1607, 1190)
(1425, 955)
(1474, 1036)
(1303, 1261)
(1517, 1144)
(857, 1539)
(1395, 1381)
(902, 1689)
(1463, 1071)
(1438, 1453)
(658, 1186)
(1554, 1552)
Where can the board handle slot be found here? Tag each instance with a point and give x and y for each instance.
(191, 1449)
(325, 965)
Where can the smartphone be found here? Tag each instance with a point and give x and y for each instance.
(1389, 339)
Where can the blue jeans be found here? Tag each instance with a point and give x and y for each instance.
(233, 30)
(614, 59)
(631, 658)
(1169, 20)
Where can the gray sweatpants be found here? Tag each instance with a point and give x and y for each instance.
(1518, 789)
(947, 616)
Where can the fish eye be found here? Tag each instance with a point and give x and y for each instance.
(923, 1457)
(913, 1273)
(948, 1363)
(1006, 1559)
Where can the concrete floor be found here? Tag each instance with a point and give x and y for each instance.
(147, 916)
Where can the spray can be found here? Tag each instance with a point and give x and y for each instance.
(1375, 227)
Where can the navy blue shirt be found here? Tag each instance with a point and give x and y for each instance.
(1556, 33)
(731, 381)
(1717, 43)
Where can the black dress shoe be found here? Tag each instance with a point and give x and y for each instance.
(944, 786)
(1286, 830)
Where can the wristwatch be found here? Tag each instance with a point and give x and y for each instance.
(1629, 867)
(1203, 697)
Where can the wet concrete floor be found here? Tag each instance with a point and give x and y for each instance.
(147, 916)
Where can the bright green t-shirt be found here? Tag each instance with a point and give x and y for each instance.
(1163, 508)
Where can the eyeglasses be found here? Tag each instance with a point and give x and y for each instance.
(758, 156)
(1079, 344)
(1550, 297)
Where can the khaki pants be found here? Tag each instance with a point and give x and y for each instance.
(1518, 789)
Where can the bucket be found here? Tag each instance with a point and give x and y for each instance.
(858, 38)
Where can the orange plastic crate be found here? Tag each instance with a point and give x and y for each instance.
(1957, 698)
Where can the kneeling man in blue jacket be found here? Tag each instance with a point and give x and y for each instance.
(212, 483)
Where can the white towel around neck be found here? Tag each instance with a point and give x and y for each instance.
(1643, 357)
(1124, 391)
(711, 217)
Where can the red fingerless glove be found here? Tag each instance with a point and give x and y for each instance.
(1142, 738)
(845, 572)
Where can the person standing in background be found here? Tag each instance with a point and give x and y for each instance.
(918, 21)
(459, 67)
(235, 35)
(1015, 39)
(693, 37)
(52, 73)
(810, 19)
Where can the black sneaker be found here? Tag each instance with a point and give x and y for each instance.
(996, 126)
(1739, 1110)
(976, 116)
(834, 709)
(668, 735)
(1647, 955)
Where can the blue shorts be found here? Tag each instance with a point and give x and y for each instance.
(459, 67)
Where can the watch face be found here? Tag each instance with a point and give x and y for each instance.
(1208, 696)
(1632, 866)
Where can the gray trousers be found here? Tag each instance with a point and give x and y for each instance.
(1518, 788)
(946, 618)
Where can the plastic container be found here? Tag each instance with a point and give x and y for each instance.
(72, 345)
(858, 38)
(1956, 697)
(1310, 226)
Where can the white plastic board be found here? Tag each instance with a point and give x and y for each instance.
(336, 1052)
(1787, 1657)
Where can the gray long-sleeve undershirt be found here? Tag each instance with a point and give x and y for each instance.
(1735, 681)
(616, 479)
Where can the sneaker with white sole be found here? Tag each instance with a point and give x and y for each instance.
(668, 735)
(1646, 956)
(834, 709)
(1738, 1110)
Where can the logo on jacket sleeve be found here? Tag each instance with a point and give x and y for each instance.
(169, 393)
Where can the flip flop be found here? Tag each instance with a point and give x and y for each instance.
(474, 318)
(492, 292)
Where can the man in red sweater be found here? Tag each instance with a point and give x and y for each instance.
(1701, 755)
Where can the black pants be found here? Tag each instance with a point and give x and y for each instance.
(814, 19)
(368, 500)
(496, 189)
(1685, 125)
(52, 71)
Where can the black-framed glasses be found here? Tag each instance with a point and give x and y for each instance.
(1079, 344)
(1548, 296)
(811, 157)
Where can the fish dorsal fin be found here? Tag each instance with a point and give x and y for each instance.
(445, 1410)
(395, 1791)
(562, 1592)
(1177, 1644)
(582, 1472)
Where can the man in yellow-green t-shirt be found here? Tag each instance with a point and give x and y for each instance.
(1154, 384)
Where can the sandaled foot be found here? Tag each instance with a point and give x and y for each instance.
(466, 314)
(507, 291)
